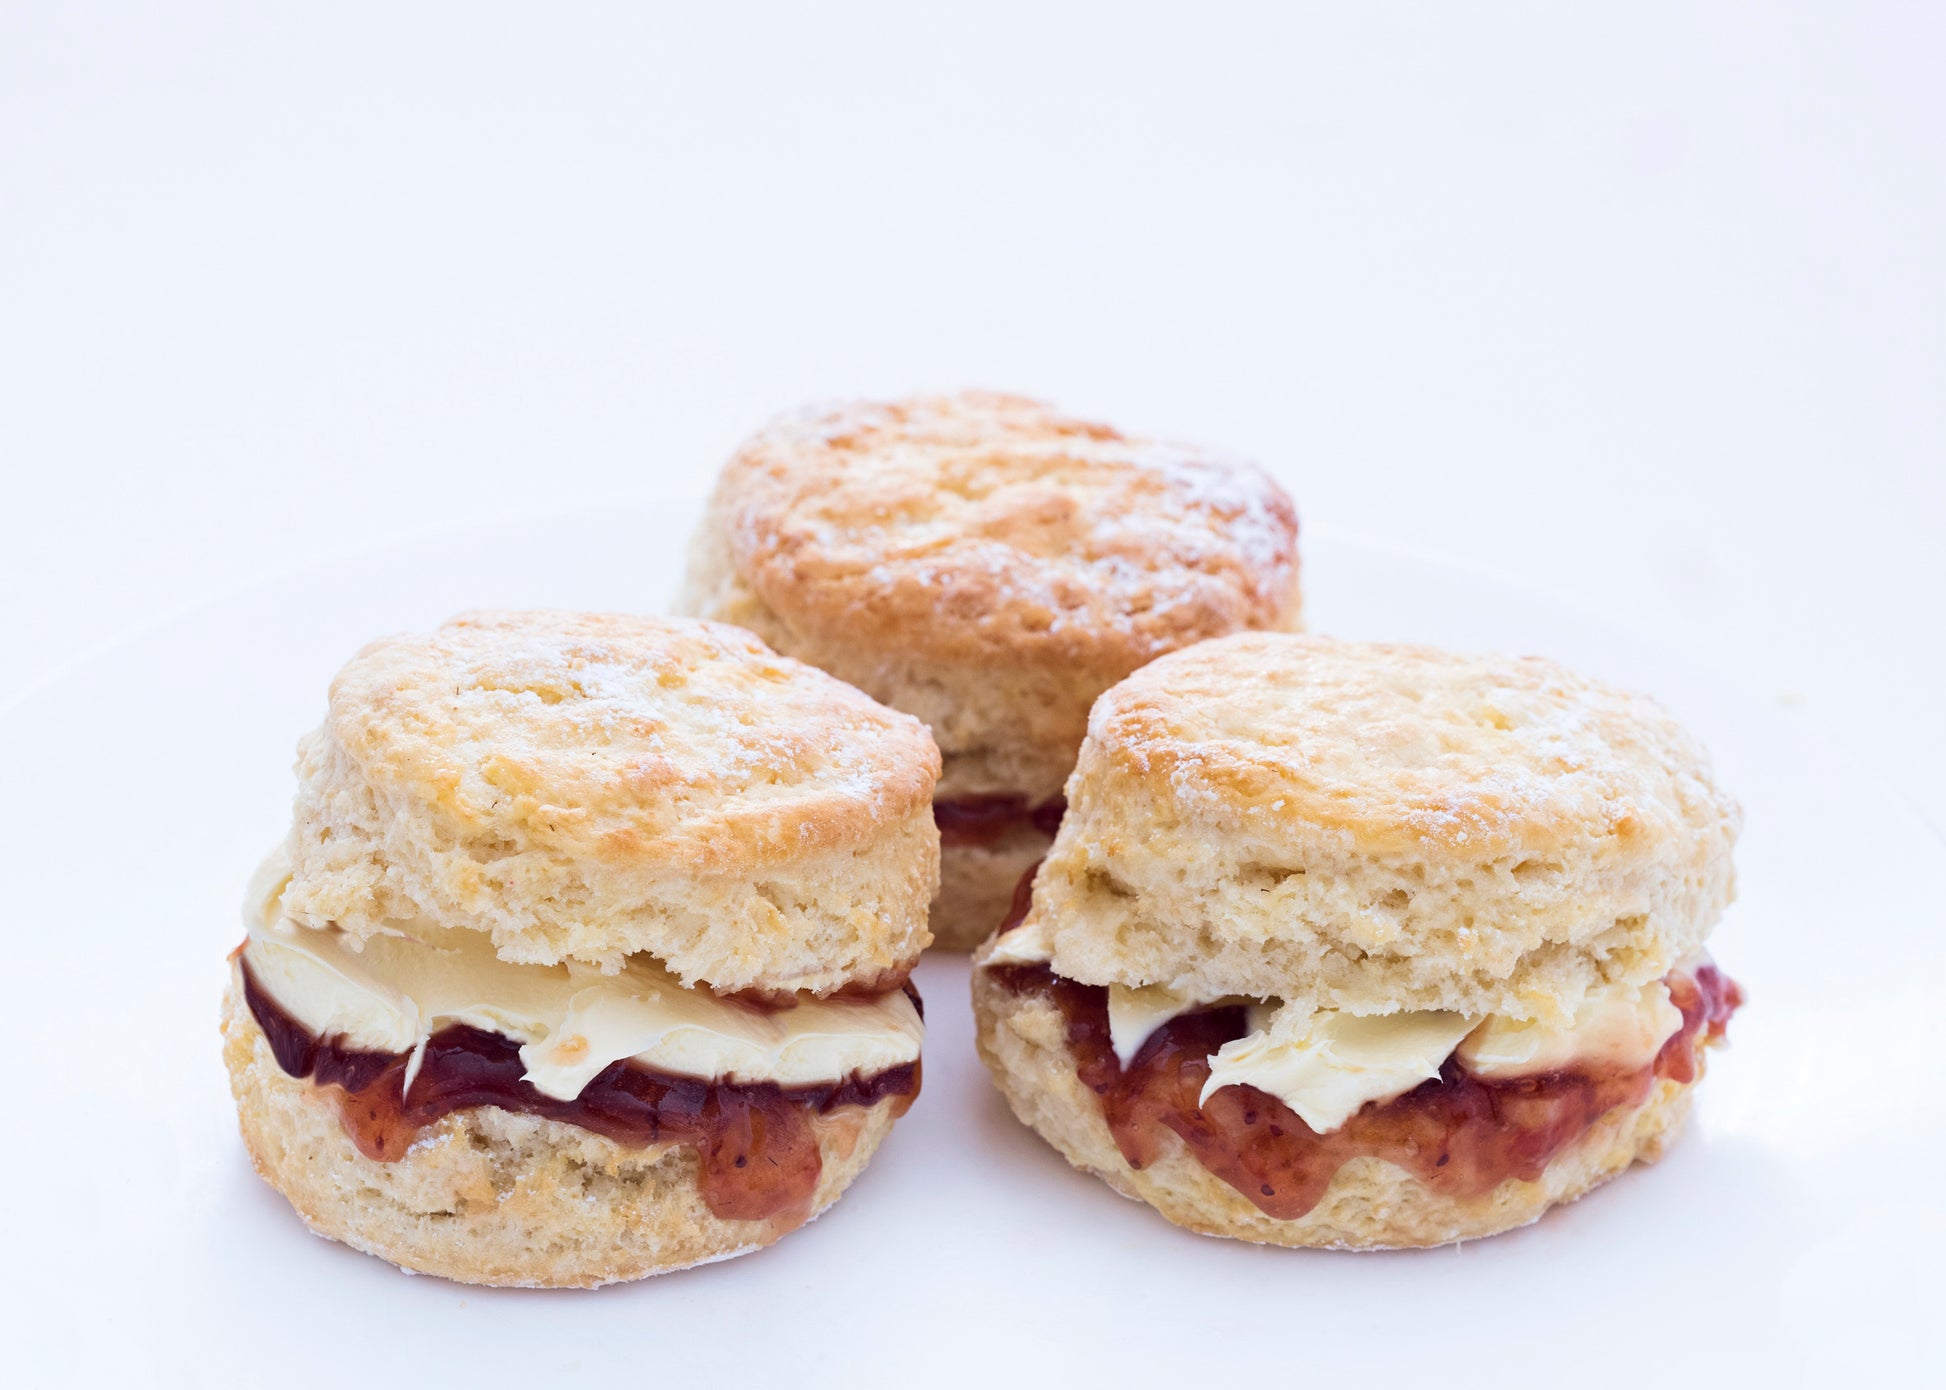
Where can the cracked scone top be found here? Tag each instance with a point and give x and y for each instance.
(586, 786)
(1373, 827)
(989, 565)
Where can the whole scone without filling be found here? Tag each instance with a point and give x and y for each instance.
(586, 956)
(989, 566)
(1365, 945)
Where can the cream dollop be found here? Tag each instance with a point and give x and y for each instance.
(1623, 1026)
(571, 1020)
(1135, 1014)
(1326, 1065)
(1026, 944)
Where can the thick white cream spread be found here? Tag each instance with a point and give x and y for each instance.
(1326, 1065)
(1026, 944)
(1622, 1025)
(572, 1021)
(1135, 1014)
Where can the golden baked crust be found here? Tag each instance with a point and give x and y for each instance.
(488, 1196)
(989, 565)
(984, 527)
(590, 785)
(1377, 827)
(1371, 1204)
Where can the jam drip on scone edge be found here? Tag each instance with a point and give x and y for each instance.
(979, 822)
(1460, 1134)
(758, 1150)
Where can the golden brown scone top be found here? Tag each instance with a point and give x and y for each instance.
(1374, 827)
(590, 786)
(981, 527)
(617, 738)
(1405, 748)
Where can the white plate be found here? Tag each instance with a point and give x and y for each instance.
(1794, 1231)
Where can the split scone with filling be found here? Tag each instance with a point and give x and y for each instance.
(990, 566)
(586, 957)
(1363, 945)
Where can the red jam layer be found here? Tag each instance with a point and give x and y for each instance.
(1460, 1134)
(759, 1152)
(980, 822)
(767, 1001)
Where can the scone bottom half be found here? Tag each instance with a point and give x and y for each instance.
(1323, 1114)
(425, 1091)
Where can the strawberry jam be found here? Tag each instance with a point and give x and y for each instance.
(759, 1152)
(980, 822)
(1460, 1134)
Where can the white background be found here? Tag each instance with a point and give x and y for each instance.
(1641, 305)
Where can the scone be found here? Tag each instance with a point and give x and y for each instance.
(1361, 945)
(586, 956)
(989, 566)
